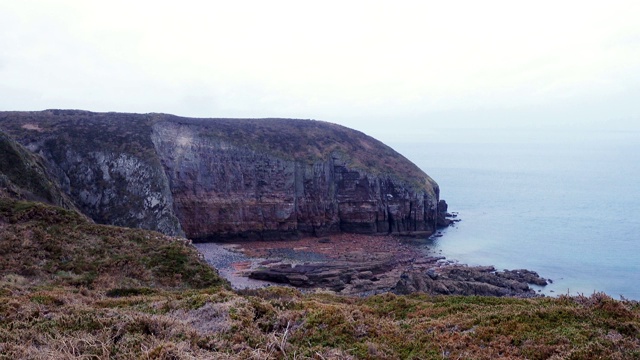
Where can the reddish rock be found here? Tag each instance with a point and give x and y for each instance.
(225, 190)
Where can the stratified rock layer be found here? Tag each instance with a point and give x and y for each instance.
(213, 179)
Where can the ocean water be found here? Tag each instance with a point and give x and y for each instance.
(565, 204)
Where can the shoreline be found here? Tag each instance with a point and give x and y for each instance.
(354, 264)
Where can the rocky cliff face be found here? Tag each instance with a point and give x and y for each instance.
(213, 179)
(222, 189)
(24, 177)
(104, 162)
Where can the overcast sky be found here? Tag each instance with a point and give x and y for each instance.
(384, 67)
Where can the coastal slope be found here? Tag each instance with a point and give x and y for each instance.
(73, 289)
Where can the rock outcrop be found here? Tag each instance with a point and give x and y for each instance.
(335, 276)
(403, 270)
(469, 280)
(214, 179)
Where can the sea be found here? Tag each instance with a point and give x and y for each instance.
(564, 203)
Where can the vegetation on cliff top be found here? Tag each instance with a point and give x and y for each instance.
(73, 289)
(83, 130)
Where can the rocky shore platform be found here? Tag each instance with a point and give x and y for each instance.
(361, 265)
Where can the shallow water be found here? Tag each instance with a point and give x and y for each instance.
(566, 205)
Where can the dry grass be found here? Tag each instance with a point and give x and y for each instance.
(70, 289)
(282, 323)
(55, 246)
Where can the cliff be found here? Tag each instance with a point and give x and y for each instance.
(211, 179)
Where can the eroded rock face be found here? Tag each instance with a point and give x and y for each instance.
(119, 189)
(104, 161)
(213, 179)
(223, 190)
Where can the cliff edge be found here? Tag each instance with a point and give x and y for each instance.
(215, 179)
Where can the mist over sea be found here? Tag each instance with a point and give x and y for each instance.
(563, 203)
